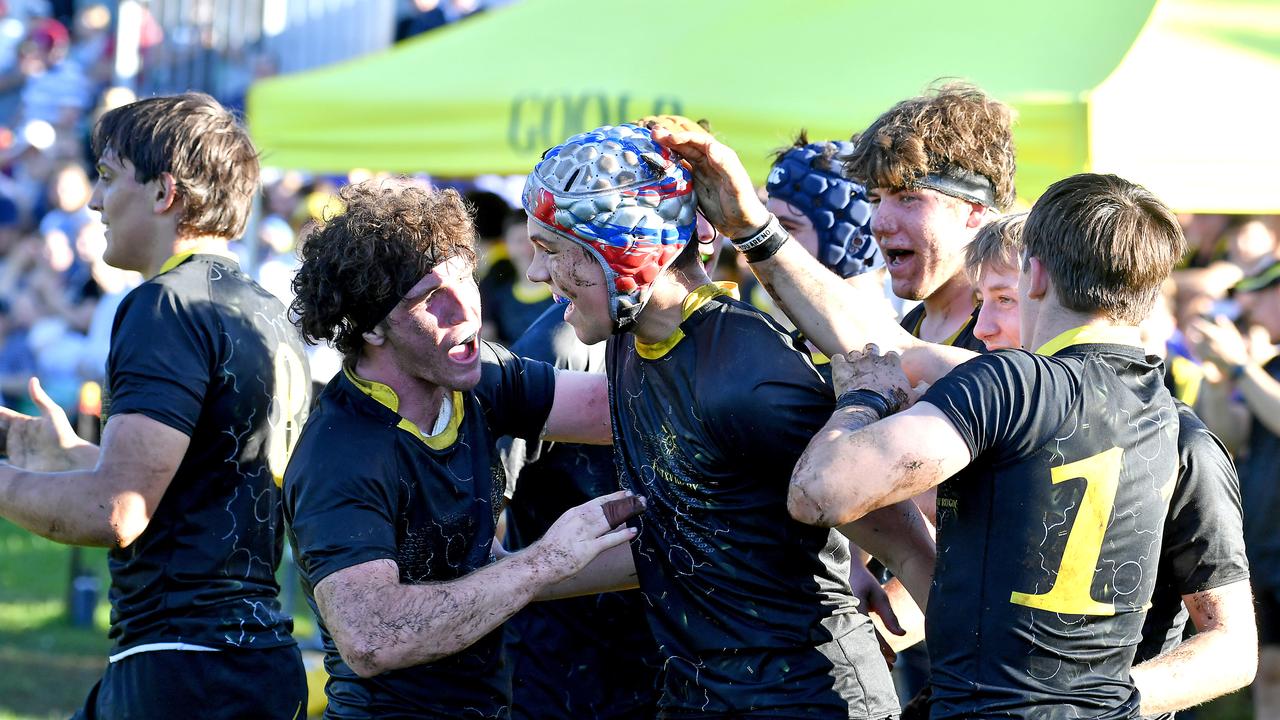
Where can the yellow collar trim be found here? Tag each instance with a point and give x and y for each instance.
(530, 293)
(1091, 335)
(692, 301)
(1187, 379)
(182, 257)
(915, 331)
(388, 398)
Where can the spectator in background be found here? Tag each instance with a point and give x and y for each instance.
(93, 44)
(113, 285)
(419, 16)
(509, 301)
(69, 205)
(489, 212)
(1251, 242)
(1203, 234)
(57, 89)
(1243, 408)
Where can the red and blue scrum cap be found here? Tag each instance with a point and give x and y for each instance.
(624, 198)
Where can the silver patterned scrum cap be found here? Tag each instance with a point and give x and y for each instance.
(625, 198)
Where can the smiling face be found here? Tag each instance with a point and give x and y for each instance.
(574, 275)
(432, 334)
(922, 234)
(998, 325)
(129, 212)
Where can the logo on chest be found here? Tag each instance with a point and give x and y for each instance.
(433, 549)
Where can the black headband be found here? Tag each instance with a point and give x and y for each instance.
(375, 311)
(960, 183)
(378, 308)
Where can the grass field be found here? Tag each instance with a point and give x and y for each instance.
(47, 666)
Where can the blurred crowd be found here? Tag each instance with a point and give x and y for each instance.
(57, 297)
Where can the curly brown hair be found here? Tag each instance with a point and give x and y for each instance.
(357, 265)
(951, 125)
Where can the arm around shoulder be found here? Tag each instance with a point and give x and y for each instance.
(580, 411)
(896, 459)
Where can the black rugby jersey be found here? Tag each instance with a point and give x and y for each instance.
(203, 349)
(752, 610)
(1203, 545)
(1048, 541)
(1260, 490)
(962, 339)
(590, 656)
(364, 484)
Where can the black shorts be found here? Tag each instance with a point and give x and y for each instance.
(1267, 602)
(269, 684)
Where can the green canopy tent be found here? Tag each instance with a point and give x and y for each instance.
(1177, 94)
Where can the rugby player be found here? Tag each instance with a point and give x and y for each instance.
(711, 404)
(206, 391)
(394, 491)
(1067, 455)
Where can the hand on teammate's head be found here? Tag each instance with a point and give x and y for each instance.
(726, 195)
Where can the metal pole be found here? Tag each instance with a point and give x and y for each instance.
(128, 42)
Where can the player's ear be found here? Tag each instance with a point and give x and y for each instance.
(1038, 277)
(376, 336)
(166, 192)
(979, 215)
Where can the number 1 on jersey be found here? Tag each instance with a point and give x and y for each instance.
(1070, 594)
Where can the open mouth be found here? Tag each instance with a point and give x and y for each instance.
(897, 258)
(465, 351)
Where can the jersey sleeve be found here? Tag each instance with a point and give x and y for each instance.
(341, 510)
(987, 401)
(516, 393)
(1203, 546)
(162, 358)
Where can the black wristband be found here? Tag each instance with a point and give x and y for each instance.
(864, 398)
(764, 243)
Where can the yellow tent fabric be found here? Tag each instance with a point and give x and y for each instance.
(1173, 94)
